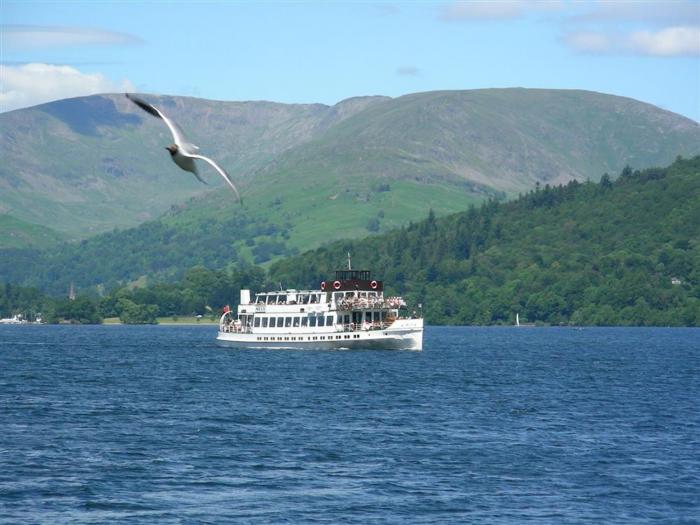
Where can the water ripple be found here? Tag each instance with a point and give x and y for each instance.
(486, 425)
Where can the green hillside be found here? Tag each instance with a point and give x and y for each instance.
(15, 233)
(502, 139)
(622, 252)
(398, 158)
(89, 165)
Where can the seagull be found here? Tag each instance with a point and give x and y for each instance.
(182, 152)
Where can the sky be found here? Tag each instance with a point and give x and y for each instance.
(304, 52)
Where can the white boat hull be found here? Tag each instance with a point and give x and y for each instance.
(403, 334)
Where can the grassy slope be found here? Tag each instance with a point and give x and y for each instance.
(15, 233)
(90, 164)
(446, 150)
(505, 139)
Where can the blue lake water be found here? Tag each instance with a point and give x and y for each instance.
(117, 424)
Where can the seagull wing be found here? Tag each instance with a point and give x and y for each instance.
(225, 175)
(178, 135)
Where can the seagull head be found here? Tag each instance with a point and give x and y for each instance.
(172, 149)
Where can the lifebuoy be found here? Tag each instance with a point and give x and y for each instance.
(323, 285)
(373, 285)
(336, 285)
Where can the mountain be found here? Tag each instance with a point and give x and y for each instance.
(88, 165)
(504, 139)
(613, 253)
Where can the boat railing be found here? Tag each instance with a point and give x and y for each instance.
(234, 328)
(363, 327)
(350, 303)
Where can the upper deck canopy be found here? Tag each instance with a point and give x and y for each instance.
(352, 280)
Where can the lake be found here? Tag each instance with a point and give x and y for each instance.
(155, 424)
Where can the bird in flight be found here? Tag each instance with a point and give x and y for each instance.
(182, 152)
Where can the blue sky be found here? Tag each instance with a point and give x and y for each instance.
(325, 52)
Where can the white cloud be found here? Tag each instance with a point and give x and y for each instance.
(645, 28)
(31, 84)
(666, 42)
(388, 9)
(654, 12)
(648, 28)
(33, 36)
(408, 71)
(589, 42)
(671, 41)
(493, 10)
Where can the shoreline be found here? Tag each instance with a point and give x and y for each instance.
(164, 321)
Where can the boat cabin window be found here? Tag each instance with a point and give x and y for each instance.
(329, 320)
(288, 322)
(273, 322)
(304, 321)
(264, 322)
(296, 322)
(320, 320)
(312, 320)
(352, 275)
(257, 322)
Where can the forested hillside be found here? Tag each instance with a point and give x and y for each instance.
(622, 252)
(617, 252)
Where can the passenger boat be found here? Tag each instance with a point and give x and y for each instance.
(349, 311)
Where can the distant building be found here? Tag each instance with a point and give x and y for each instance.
(71, 292)
(676, 281)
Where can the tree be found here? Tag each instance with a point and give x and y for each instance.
(132, 313)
